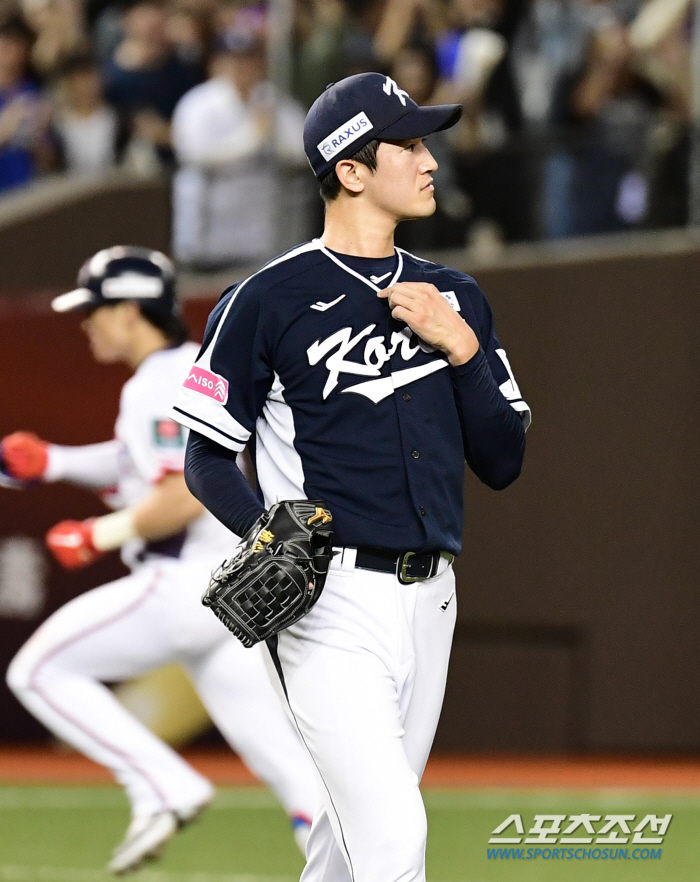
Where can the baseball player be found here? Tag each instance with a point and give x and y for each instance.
(368, 376)
(154, 615)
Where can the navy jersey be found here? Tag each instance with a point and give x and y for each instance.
(346, 403)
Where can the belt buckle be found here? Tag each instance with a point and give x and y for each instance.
(403, 575)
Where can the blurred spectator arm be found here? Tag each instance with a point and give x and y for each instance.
(150, 126)
(271, 122)
(660, 39)
(197, 143)
(398, 23)
(12, 116)
(608, 57)
(61, 32)
(26, 121)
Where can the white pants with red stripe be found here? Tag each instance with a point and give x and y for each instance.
(365, 676)
(127, 627)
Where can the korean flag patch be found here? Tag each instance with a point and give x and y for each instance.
(168, 433)
(451, 298)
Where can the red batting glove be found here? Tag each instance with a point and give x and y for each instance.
(24, 456)
(70, 542)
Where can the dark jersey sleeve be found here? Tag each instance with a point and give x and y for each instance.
(213, 477)
(226, 387)
(492, 414)
(498, 361)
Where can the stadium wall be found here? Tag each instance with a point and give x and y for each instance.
(578, 625)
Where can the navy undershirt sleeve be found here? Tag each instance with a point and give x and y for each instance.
(493, 433)
(213, 477)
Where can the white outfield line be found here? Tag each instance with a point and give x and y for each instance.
(12, 873)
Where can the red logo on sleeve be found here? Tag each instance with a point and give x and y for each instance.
(208, 383)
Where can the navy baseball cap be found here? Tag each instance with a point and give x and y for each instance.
(358, 109)
(123, 273)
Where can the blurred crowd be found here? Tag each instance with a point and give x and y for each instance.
(576, 111)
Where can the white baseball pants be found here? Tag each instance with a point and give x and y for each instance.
(365, 676)
(127, 627)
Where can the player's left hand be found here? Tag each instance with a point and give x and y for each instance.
(429, 315)
(71, 544)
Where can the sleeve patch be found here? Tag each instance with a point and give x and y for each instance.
(168, 433)
(207, 383)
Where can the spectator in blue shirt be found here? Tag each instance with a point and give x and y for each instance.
(25, 147)
(145, 78)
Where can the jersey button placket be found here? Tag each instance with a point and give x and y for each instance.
(409, 428)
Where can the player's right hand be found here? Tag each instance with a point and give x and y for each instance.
(24, 456)
(427, 312)
(71, 544)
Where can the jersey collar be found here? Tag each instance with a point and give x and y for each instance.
(375, 288)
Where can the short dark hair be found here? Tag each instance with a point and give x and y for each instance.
(330, 185)
(14, 27)
(78, 62)
(170, 323)
(134, 4)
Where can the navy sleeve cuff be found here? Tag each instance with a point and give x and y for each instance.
(213, 477)
(473, 367)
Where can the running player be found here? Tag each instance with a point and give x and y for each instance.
(153, 616)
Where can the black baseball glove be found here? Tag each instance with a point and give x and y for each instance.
(278, 572)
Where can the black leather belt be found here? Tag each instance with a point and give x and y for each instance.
(407, 566)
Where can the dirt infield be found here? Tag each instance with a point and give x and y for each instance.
(56, 765)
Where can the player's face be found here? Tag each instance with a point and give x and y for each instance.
(109, 331)
(402, 184)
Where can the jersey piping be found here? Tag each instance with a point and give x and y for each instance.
(357, 275)
(223, 428)
(185, 419)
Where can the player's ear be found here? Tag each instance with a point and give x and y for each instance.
(348, 175)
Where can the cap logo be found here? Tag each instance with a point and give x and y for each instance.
(347, 133)
(390, 86)
(132, 285)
